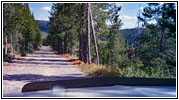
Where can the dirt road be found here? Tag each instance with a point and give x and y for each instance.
(42, 65)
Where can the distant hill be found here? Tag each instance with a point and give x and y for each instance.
(44, 29)
(131, 34)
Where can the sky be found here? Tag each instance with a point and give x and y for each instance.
(128, 12)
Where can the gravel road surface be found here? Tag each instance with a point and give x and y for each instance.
(42, 65)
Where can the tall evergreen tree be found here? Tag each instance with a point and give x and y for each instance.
(76, 22)
(19, 29)
(157, 46)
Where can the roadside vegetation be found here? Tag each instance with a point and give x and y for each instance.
(91, 33)
(151, 52)
(21, 34)
(106, 71)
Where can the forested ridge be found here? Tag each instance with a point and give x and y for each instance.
(43, 25)
(81, 30)
(129, 34)
(44, 29)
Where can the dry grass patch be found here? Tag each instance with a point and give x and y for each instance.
(100, 71)
(74, 60)
(94, 70)
(56, 52)
(67, 56)
(77, 61)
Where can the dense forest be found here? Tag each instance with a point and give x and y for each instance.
(130, 34)
(21, 33)
(81, 30)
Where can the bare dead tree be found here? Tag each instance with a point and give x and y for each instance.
(94, 36)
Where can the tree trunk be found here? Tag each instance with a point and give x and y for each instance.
(162, 47)
(17, 44)
(113, 52)
(161, 41)
(61, 47)
(88, 35)
(58, 47)
(84, 36)
(12, 43)
(94, 37)
(72, 50)
(113, 62)
(26, 43)
(81, 42)
(5, 5)
(6, 45)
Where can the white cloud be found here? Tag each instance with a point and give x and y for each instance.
(46, 19)
(125, 17)
(152, 22)
(128, 21)
(141, 8)
(108, 22)
(128, 25)
(131, 24)
(119, 4)
(46, 8)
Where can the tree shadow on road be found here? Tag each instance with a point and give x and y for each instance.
(46, 56)
(40, 63)
(37, 77)
(51, 60)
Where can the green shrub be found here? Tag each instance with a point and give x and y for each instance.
(23, 53)
(8, 58)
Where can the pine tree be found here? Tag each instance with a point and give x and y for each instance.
(76, 22)
(19, 29)
(157, 44)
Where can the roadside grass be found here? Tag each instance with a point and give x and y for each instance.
(73, 59)
(56, 52)
(129, 71)
(67, 56)
(16, 54)
(9, 57)
(105, 71)
(100, 70)
(94, 70)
